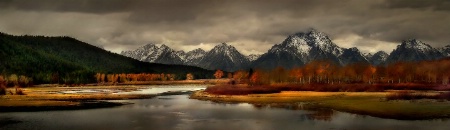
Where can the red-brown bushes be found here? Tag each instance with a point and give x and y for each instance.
(442, 87)
(261, 89)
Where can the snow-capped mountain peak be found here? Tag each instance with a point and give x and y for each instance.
(296, 50)
(297, 42)
(415, 44)
(149, 46)
(253, 57)
(300, 48)
(323, 42)
(198, 50)
(368, 55)
(225, 57)
(378, 58)
(222, 56)
(143, 52)
(194, 56)
(413, 50)
(152, 53)
(163, 46)
(223, 47)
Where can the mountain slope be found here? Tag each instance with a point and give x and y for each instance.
(296, 50)
(413, 50)
(445, 50)
(299, 49)
(224, 57)
(378, 58)
(154, 54)
(39, 56)
(194, 57)
(253, 57)
(352, 55)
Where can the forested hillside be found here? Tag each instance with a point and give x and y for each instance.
(65, 59)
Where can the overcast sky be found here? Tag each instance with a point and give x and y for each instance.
(252, 26)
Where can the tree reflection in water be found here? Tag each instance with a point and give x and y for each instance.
(315, 112)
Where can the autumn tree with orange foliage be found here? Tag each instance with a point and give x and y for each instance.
(218, 74)
(189, 76)
(258, 77)
(230, 75)
(369, 74)
(324, 72)
(132, 78)
(296, 74)
(240, 75)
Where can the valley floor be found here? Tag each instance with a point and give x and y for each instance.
(63, 97)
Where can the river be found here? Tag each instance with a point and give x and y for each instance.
(178, 112)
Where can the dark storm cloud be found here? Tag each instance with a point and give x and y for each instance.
(86, 6)
(253, 26)
(420, 4)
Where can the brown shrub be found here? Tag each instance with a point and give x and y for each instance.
(19, 91)
(2, 86)
(2, 91)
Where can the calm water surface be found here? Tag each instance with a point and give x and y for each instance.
(180, 112)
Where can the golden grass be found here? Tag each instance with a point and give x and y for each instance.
(36, 103)
(49, 96)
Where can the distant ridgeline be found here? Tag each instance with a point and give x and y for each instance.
(67, 60)
(296, 50)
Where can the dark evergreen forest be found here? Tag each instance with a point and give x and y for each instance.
(70, 61)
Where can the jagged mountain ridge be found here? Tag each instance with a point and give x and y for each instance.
(304, 47)
(154, 54)
(222, 56)
(352, 55)
(378, 58)
(297, 50)
(445, 50)
(194, 57)
(414, 50)
(253, 57)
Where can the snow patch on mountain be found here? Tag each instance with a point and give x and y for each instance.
(253, 57)
(154, 54)
(378, 58)
(445, 50)
(413, 50)
(224, 57)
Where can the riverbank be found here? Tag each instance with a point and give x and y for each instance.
(366, 103)
(71, 98)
